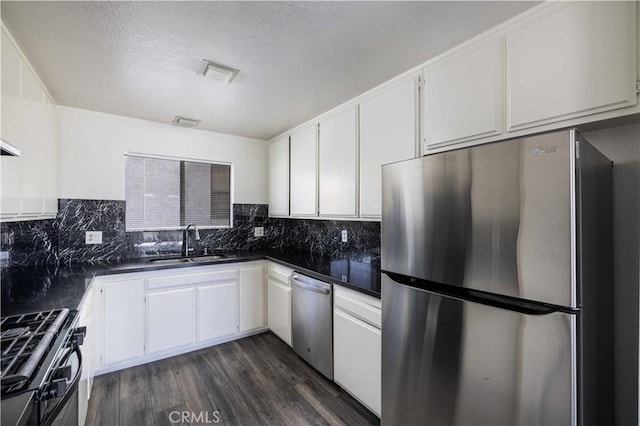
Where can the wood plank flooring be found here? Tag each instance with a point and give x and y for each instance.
(257, 380)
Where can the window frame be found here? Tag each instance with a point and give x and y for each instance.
(193, 160)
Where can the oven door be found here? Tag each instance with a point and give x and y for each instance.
(59, 399)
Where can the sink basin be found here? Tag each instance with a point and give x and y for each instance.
(169, 261)
(178, 260)
(206, 258)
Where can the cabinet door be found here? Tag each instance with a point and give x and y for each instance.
(252, 299)
(11, 70)
(279, 177)
(337, 164)
(85, 319)
(388, 131)
(10, 126)
(217, 311)
(32, 180)
(304, 172)
(463, 96)
(357, 359)
(577, 61)
(171, 319)
(50, 158)
(124, 320)
(279, 310)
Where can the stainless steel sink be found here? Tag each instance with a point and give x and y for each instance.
(178, 260)
(170, 261)
(202, 259)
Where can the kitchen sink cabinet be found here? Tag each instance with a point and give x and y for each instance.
(337, 164)
(124, 319)
(279, 301)
(388, 133)
(217, 310)
(577, 61)
(279, 177)
(357, 345)
(157, 314)
(464, 95)
(304, 200)
(171, 319)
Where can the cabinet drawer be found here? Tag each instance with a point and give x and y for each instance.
(191, 279)
(363, 307)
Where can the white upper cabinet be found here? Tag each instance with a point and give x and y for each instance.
(279, 177)
(11, 70)
(463, 97)
(32, 180)
(50, 158)
(337, 164)
(29, 185)
(577, 61)
(304, 171)
(388, 133)
(10, 119)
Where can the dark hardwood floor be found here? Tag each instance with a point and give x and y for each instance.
(257, 380)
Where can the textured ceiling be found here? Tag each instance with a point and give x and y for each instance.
(296, 59)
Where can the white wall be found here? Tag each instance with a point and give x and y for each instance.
(92, 144)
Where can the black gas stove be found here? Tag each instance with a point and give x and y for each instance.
(40, 365)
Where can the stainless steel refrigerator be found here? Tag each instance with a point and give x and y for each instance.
(497, 285)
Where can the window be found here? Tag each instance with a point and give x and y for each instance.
(167, 193)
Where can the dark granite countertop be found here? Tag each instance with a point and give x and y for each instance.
(38, 288)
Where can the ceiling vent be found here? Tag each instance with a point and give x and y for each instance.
(185, 122)
(217, 72)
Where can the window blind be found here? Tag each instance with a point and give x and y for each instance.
(167, 193)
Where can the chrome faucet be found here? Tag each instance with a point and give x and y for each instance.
(185, 238)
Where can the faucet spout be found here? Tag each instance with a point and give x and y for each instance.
(185, 238)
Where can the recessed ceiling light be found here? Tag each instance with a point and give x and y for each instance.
(185, 122)
(217, 72)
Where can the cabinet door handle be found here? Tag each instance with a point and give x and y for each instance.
(353, 315)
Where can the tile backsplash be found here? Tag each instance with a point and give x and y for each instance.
(62, 240)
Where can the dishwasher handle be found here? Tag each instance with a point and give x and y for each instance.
(316, 288)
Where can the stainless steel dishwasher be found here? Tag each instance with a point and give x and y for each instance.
(312, 322)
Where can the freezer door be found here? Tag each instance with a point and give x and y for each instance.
(446, 361)
(496, 217)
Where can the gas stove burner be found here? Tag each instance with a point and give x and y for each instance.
(24, 341)
(15, 332)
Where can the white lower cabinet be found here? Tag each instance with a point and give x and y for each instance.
(279, 301)
(357, 346)
(253, 297)
(124, 320)
(153, 315)
(217, 310)
(171, 319)
(88, 318)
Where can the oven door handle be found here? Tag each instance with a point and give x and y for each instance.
(51, 414)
